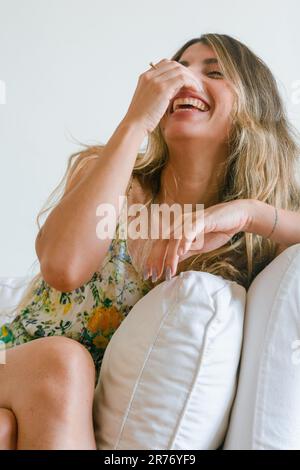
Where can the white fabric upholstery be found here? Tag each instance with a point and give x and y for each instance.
(266, 411)
(11, 291)
(168, 376)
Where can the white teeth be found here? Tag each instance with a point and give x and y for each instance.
(193, 101)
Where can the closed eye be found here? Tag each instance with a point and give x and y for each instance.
(215, 72)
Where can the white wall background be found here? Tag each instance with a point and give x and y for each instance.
(71, 67)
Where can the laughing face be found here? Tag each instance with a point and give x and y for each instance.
(197, 115)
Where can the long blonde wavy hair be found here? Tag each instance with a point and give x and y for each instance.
(262, 163)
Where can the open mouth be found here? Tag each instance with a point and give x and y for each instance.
(189, 103)
(188, 107)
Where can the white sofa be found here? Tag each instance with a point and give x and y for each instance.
(266, 409)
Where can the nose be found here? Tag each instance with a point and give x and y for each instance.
(199, 79)
(200, 82)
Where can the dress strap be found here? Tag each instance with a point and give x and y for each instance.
(129, 185)
(121, 217)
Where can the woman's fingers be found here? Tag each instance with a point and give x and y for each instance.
(166, 252)
(191, 244)
(155, 262)
(163, 259)
(171, 259)
(187, 234)
(193, 232)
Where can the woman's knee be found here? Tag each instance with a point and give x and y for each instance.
(64, 357)
(8, 430)
(60, 370)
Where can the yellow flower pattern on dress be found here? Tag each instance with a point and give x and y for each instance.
(67, 308)
(104, 319)
(100, 341)
(4, 332)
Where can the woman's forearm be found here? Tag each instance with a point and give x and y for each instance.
(262, 217)
(69, 249)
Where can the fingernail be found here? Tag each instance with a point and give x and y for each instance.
(180, 251)
(168, 273)
(154, 274)
(145, 274)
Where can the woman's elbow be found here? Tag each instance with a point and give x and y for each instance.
(61, 279)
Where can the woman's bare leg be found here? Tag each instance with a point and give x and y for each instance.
(8, 430)
(48, 384)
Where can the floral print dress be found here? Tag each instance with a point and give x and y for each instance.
(90, 314)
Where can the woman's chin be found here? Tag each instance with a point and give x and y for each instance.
(183, 129)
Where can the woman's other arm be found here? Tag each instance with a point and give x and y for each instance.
(262, 217)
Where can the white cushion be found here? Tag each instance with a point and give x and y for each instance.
(168, 376)
(266, 411)
(11, 292)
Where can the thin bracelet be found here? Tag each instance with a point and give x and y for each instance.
(275, 222)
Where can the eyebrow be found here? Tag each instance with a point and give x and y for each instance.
(210, 60)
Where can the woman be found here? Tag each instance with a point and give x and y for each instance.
(236, 155)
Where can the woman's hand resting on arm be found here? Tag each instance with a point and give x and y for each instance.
(210, 229)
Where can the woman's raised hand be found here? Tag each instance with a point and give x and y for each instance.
(155, 89)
